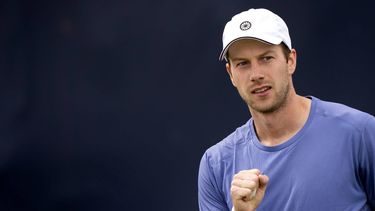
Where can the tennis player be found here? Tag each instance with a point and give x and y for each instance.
(295, 152)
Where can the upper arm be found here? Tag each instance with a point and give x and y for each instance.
(368, 160)
(209, 196)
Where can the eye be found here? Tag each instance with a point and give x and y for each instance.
(266, 58)
(243, 63)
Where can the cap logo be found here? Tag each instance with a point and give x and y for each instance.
(245, 25)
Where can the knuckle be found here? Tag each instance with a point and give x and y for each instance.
(252, 184)
(234, 191)
(248, 191)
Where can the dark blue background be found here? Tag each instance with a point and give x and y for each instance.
(109, 105)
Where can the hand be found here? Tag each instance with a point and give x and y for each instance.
(248, 189)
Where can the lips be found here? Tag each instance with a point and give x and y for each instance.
(261, 90)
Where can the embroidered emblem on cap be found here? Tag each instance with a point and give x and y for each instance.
(245, 25)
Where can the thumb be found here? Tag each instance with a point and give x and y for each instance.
(263, 181)
(261, 191)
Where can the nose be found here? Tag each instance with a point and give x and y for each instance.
(256, 74)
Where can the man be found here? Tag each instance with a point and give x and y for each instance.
(295, 152)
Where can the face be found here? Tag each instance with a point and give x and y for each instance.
(261, 74)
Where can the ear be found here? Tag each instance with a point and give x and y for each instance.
(229, 71)
(292, 61)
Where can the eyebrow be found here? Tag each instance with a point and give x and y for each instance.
(266, 52)
(260, 55)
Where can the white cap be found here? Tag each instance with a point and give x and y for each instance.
(258, 24)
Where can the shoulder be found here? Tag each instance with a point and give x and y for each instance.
(341, 114)
(224, 150)
(216, 164)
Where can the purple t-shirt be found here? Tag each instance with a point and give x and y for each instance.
(328, 165)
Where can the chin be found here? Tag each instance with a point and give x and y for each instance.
(264, 108)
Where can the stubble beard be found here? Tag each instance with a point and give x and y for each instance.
(278, 102)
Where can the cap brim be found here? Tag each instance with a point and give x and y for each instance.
(225, 50)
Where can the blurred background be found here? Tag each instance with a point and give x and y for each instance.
(109, 105)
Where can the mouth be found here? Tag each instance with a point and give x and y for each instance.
(261, 90)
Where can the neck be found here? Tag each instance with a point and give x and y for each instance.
(277, 127)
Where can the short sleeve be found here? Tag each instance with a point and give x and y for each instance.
(209, 197)
(368, 160)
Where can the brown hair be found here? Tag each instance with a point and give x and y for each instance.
(286, 50)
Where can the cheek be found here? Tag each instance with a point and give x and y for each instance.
(283, 78)
(284, 72)
(236, 79)
(242, 84)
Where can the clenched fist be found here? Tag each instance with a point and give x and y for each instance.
(248, 189)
